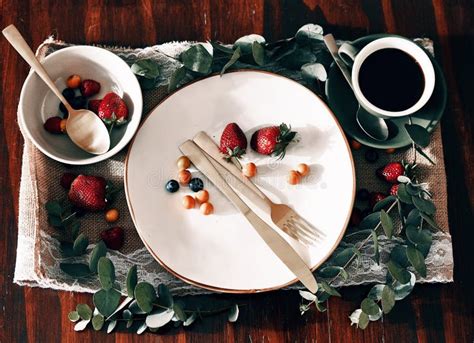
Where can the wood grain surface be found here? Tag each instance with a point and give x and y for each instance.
(433, 313)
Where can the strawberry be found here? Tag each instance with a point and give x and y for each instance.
(233, 141)
(93, 105)
(391, 172)
(90, 88)
(356, 217)
(375, 197)
(393, 190)
(113, 110)
(113, 237)
(53, 125)
(88, 192)
(67, 179)
(272, 140)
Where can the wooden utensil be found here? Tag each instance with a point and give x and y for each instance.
(277, 244)
(84, 127)
(284, 217)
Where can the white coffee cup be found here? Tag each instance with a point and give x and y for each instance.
(354, 57)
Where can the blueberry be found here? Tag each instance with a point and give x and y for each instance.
(363, 194)
(62, 108)
(196, 184)
(172, 186)
(69, 93)
(78, 102)
(371, 155)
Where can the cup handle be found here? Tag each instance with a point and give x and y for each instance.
(347, 52)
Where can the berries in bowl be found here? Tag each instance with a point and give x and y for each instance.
(86, 75)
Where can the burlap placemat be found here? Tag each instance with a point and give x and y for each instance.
(38, 254)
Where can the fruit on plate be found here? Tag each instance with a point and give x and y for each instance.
(202, 196)
(272, 140)
(206, 208)
(183, 162)
(113, 110)
(196, 184)
(88, 192)
(249, 170)
(67, 179)
(184, 176)
(53, 125)
(73, 81)
(112, 215)
(113, 237)
(93, 105)
(294, 177)
(375, 197)
(233, 141)
(391, 172)
(303, 169)
(90, 88)
(188, 202)
(172, 186)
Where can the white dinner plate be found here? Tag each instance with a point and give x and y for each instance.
(222, 251)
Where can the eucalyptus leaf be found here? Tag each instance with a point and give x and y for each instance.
(54, 208)
(297, 58)
(388, 299)
(375, 292)
(81, 325)
(413, 217)
(309, 33)
(329, 289)
(106, 271)
(80, 244)
(197, 59)
(129, 323)
(307, 295)
(430, 221)
(417, 260)
(84, 311)
(370, 221)
(258, 53)
(234, 58)
(146, 84)
(159, 318)
(245, 43)
(400, 274)
(424, 205)
(100, 250)
(222, 48)
(145, 295)
(384, 203)
(422, 153)
(399, 255)
(363, 320)
(73, 316)
(418, 134)
(75, 226)
(134, 308)
(98, 322)
(422, 239)
(314, 71)
(106, 301)
(375, 317)
(122, 305)
(403, 290)
(148, 69)
(55, 221)
(320, 307)
(111, 326)
(403, 179)
(387, 223)
(142, 329)
(179, 311)
(333, 271)
(77, 270)
(369, 307)
(190, 319)
(233, 314)
(164, 296)
(403, 195)
(132, 279)
(176, 77)
(412, 189)
(376, 247)
(343, 256)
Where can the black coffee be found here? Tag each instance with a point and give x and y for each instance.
(391, 80)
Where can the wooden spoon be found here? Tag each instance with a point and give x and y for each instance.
(84, 127)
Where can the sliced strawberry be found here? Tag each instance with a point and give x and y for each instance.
(113, 237)
(90, 88)
(88, 192)
(113, 110)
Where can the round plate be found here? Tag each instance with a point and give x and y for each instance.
(344, 104)
(222, 251)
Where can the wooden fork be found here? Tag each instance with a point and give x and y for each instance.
(283, 216)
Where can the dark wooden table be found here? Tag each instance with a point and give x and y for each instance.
(433, 313)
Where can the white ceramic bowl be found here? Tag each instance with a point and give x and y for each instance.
(38, 103)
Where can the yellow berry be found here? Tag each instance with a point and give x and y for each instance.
(188, 202)
(183, 163)
(294, 177)
(73, 81)
(355, 144)
(303, 169)
(62, 125)
(202, 196)
(390, 150)
(206, 208)
(112, 215)
(249, 170)
(184, 176)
